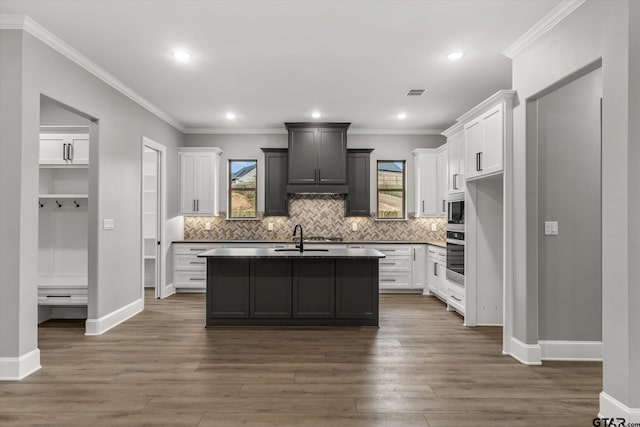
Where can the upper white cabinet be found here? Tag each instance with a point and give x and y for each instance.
(455, 159)
(64, 149)
(486, 129)
(441, 181)
(426, 188)
(199, 170)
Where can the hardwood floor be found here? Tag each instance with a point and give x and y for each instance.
(421, 368)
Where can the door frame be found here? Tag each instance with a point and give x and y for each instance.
(161, 288)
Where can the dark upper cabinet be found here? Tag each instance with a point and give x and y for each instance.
(357, 201)
(276, 199)
(317, 153)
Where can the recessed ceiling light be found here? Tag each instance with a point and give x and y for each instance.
(401, 116)
(230, 116)
(453, 56)
(181, 55)
(316, 114)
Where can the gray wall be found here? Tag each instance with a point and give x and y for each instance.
(569, 191)
(595, 30)
(115, 173)
(53, 114)
(387, 147)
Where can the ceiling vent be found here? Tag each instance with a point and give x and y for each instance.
(416, 92)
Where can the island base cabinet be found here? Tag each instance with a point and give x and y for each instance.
(228, 288)
(271, 289)
(357, 289)
(314, 289)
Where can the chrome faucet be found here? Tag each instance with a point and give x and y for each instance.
(299, 245)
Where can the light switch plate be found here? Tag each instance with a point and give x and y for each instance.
(108, 224)
(207, 226)
(551, 228)
(354, 226)
(434, 227)
(270, 226)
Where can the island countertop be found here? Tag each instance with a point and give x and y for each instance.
(440, 243)
(274, 253)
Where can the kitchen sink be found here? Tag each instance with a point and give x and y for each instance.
(306, 250)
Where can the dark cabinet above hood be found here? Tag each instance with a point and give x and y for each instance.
(317, 158)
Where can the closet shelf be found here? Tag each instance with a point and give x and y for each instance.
(63, 196)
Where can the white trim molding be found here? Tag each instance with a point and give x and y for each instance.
(571, 350)
(528, 354)
(550, 20)
(22, 22)
(613, 408)
(17, 368)
(283, 131)
(113, 319)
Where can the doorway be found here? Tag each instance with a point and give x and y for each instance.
(567, 233)
(153, 218)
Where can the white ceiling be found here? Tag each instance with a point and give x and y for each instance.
(274, 61)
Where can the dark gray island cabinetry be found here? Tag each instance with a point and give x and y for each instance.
(267, 287)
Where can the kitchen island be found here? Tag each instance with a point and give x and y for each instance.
(285, 287)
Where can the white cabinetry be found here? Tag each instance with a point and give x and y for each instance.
(64, 149)
(436, 272)
(442, 181)
(199, 171)
(456, 299)
(63, 220)
(455, 156)
(486, 130)
(426, 189)
(418, 265)
(189, 271)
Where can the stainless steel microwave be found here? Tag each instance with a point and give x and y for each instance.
(455, 220)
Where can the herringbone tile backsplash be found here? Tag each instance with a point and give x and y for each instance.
(320, 215)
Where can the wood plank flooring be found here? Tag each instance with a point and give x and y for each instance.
(421, 368)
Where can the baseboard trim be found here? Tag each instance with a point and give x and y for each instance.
(587, 351)
(113, 319)
(528, 354)
(613, 408)
(17, 368)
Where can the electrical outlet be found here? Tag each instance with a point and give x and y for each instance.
(207, 226)
(434, 227)
(108, 224)
(551, 228)
(354, 226)
(269, 226)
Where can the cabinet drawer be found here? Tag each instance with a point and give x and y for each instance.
(395, 263)
(59, 295)
(190, 279)
(391, 250)
(189, 262)
(193, 248)
(395, 280)
(456, 297)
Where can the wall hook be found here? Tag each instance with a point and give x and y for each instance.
(58, 203)
(77, 204)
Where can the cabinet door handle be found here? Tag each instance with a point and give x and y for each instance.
(195, 279)
(193, 205)
(387, 263)
(423, 206)
(58, 296)
(414, 254)
(319, 174)
(198, 205)
(69, 151)
(479, 162)
(435, 269)
(194, 262)
(387, 280)
(64, 151)
(456, 298)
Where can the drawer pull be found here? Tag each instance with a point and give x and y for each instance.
(58, 296)
(456, 298)
(197, 262)
(387, 250)
(196, 279)
(387, 263)
(197, 249)
(387, 280)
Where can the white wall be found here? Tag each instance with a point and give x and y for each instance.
(386, 147)
(115, 176)
(597, 29)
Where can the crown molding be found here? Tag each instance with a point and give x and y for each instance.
(497, 97)
(543, 26)
(278, 131)
(22, 22)
(455, 128)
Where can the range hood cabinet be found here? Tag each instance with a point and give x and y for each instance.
(317, 158)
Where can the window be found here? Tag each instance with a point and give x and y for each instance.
(391, 189)
(243, 188)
